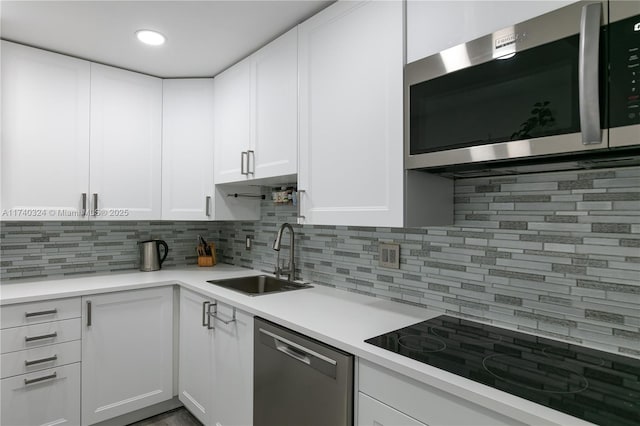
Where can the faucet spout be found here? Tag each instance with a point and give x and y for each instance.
(291, 267)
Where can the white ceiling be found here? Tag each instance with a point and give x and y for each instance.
(203, 37)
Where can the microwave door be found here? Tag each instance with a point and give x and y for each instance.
(474, 104)
(624, 74)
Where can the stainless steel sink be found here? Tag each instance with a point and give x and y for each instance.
(258, 285)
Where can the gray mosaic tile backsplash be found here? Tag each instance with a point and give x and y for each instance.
(60, 249)
(555, 254)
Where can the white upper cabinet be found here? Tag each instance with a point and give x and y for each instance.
(126, 144)
(433, 26)
(45, 134)
(232, 135)
(351, 136)
(187, 149)
(274, 108)
(256, 104)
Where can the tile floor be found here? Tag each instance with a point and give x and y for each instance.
(177, 417)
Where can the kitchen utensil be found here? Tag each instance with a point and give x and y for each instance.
(207, 249)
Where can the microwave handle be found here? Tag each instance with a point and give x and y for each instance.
(588, 74)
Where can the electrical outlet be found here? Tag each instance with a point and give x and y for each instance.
(389, 255)
(247, 243)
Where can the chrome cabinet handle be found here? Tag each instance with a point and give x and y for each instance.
(89, 313)
(588, 79)
(244, 155)
(40, 379)
(41, 337)
(298, 215)
(207, 205)
(40, 361)
(205, 317)
(84, 204)
(251, 154)
(209, 325)
(214, 315)
(35, 314)
(94, 211)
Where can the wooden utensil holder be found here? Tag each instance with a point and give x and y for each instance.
(208, 260)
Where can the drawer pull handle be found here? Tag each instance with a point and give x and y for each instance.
(44, 336)
(36, 314)
(40, 361)
(40, 379)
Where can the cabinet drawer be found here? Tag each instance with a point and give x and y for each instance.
(30, 360)
(47, 397)
(372, 412)
(38, 312)
(33, 336)
(423, 402)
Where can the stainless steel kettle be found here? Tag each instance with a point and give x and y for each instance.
(150, 259)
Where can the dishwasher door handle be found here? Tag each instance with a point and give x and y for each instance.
(292, 352)
(313, 359)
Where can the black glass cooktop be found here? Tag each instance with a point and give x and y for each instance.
(595, 386)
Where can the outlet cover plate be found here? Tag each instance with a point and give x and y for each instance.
(389, 255)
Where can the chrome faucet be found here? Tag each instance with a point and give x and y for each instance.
(291, 268)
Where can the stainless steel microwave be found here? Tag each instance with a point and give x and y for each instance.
(558, 86)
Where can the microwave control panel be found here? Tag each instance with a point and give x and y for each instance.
(625, 72)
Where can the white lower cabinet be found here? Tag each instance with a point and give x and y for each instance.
(372, 412)
(46, 397)
(216, 361)
(195, 377)
(233, 385)
(400, 400)
(40, 363)
(41, 358)
(127, 352)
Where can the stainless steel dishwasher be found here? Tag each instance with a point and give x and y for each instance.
(299, 381)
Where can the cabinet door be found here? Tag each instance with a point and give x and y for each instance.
(187, 149)
(372, 412)
(351, 138)
(232, 97)
(274, 108)
(127, 352)
(45, 134)
(196, 379)
(126, 144)
(233, 387)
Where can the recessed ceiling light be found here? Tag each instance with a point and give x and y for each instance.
(150, 37)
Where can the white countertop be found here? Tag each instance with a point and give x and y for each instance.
(339, 318)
